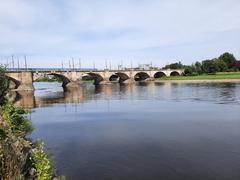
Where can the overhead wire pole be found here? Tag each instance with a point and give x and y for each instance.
(80, 63)
(25, 60)
(18, 63)
(12, 61)
(62, 66)
(73, 63)
(69, 65)
(7, 63)
(105, 64)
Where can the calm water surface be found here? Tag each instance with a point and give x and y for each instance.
(168, 131)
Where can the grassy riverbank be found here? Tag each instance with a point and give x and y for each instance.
(19, 157)
(218, 76)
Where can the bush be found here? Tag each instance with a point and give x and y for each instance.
(229, 59)
(177, 65)
(41, 163)
(3, 85)
(16, 119)
(210, 66)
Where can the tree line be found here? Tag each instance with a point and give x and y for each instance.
(224, 63)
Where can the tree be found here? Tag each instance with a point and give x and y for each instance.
(177, 65)
(189, 70)
(237, 65)
(221, 65)
(210, 66)
(3, 84)
(229, 59)
(198, 67)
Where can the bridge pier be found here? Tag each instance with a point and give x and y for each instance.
(103, 82)
(128, 81)
(26, 81)
(25, 87)
(72, 84)
(21, 80)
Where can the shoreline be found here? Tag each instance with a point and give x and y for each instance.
(200, 81)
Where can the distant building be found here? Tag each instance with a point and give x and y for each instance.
(145, 66)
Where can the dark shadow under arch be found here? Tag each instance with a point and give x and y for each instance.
(12, 83)
(141, 76)
(97, 78)
(175, 73)
(63, 78)
(114, 78)
(122, 77)
(159, 74)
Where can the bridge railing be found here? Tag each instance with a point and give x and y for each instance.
(48, 69)
(83, 69)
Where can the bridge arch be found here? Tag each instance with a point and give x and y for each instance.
(97, 78)
(63, 78)
(114, 78)
(86, 77)
(141, 76)
(159, 74)
(12, 82)
(122, 77)
(175, 73)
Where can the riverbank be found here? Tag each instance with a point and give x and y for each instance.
(219, 77)
(200, 81)
(20, 158)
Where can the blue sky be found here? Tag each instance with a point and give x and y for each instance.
(141, 31)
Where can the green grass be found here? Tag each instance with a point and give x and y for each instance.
(218, 76)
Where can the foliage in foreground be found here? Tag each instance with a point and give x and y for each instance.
(16, 119)
(3, 85)
(19, 159)
(40, 160)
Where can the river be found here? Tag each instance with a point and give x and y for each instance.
(169, 131)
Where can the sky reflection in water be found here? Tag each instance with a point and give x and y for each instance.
(146, 131)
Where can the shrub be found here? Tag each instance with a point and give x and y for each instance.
(3, 85)
(16, 119)
(210, 66)
(41, 163)
(229, 59)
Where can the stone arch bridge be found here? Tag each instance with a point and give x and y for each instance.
(23, 80)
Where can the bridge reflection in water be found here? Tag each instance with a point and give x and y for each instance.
(31, 99)
(48, 96)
